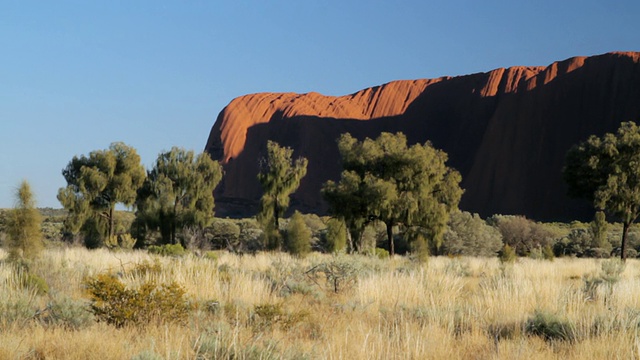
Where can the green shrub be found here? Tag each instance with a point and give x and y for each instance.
(612, 270)
(120, 241)
(223, 234)
(68, 313)
(550, 327)
(211, 255)
(114, 304)
(336, 235)
(298, 236)
(15, 309)
(547, 253)
(23, 226)
(420, 249)
(36, 283)
(266, 316)
(507, 255)
(381, 253)
(468, 234)
(175, 250)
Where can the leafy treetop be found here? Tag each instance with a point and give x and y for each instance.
(387, 180)
(606, 170)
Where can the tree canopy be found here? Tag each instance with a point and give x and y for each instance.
(279, 176)
(178, 193)
(606, 171)
(387, 180)
(95, 184)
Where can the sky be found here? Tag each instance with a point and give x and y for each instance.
(76, 76)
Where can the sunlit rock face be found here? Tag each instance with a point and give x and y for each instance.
(506, 131)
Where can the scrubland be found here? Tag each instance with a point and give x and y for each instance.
(274, 306)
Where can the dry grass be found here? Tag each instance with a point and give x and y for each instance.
(464, 308)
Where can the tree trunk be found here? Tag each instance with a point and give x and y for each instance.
(623, 251)
(392, 249)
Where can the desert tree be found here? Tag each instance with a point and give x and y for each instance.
(178, 194)
(279, 177)
(96, 184)
(606, 171)
(386, 180)
(24, 226)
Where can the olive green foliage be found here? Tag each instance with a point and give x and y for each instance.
(522, 234)
(468, 234)
(298, 236)
(67, 313)
(174, 250)
(336, 235)
(387, 180)
(605, 170)
(177, 194)
(318, 229)
(279, 177)
(507, 255)
(117, 305)
(579, 242)
(599, 227)
(96, 184)
(223, 234)
(24, 226)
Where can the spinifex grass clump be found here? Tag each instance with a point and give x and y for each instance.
(114, 304)
(550, 327)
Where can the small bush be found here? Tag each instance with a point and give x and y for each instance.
(419, 249)
(114, 304)
(68, 313)
(266, 316)
(175, 250)
(381, 253)
(120, 241)
(550, 327)
(468, 234)
(336, 235)
(340, 274)
(612, 270)
(507, 255)
(522, 234)
(223, 234)
(211, 255)
(298, 236)
(35, 282)
(15, 310)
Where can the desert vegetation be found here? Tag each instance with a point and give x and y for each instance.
(135, 305)
(396, 271)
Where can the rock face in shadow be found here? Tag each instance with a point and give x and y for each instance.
(506, 131)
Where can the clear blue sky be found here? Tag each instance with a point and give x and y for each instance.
(78, 75)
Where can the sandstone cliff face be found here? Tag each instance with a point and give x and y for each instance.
(506, 131)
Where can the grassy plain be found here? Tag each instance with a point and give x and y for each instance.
(273, 306)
